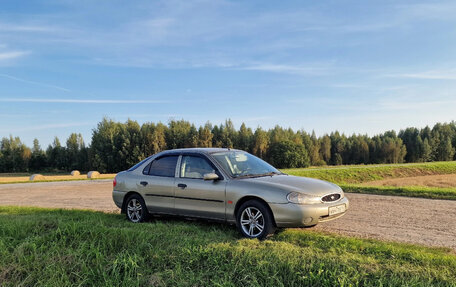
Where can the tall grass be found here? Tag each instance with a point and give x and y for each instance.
(44, 247)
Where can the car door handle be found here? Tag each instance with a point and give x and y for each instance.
(143, 183)
(182, 185)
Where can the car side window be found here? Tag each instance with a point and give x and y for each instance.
(195, 167)
(164, 166)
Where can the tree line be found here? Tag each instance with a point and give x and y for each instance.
(116, 146)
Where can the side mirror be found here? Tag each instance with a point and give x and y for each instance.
(210, 176)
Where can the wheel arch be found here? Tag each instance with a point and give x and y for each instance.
(252, 197)
(124, 202)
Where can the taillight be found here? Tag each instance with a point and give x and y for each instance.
(114, 182)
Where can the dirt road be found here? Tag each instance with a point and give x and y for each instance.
(84, 194)
(414, 220)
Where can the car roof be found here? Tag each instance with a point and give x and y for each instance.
(205, 150)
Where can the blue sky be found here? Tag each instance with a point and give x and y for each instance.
(352, 66)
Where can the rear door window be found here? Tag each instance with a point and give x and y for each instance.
(164, 166)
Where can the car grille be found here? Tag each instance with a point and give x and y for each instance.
(331, 197)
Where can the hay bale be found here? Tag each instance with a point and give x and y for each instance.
(75, 173)
(36, 177)
(93, 174)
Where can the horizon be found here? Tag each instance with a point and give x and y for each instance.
(356, 68)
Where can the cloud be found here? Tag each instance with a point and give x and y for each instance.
(10, 55)
(34, 83)
(428, 75)
(368, 27)
(442, 11)
(289, 69)
(10, 27)
(82, 101)
(46, 127)
(407, 105)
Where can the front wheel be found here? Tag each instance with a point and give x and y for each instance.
(136, 209)
(254, 220)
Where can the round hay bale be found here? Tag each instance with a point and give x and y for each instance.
(36, 177)
(75, 173)
(93, 174)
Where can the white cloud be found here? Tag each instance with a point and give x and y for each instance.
(10, 27)
(428, 75)
(407, 105)
(290, 69)
(10, 55)
(429, 11)
(81, 101)
(34, 83)
(45, 127)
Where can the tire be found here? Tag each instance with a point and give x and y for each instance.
(254, 220)
(136, 209)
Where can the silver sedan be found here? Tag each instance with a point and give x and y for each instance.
(228, 185)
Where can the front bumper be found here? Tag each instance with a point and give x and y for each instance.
(297, 215)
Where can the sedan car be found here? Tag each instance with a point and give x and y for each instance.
(227, 185)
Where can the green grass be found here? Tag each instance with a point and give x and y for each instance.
(364, 173)
(45, 247)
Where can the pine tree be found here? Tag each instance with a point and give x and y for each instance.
(260, 143)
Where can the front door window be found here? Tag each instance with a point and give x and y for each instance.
(195, 167)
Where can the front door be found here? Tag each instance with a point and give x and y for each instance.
(195, 196)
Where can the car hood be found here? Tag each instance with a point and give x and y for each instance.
(297, 183)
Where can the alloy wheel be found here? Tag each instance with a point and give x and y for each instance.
(134, 210)
(252, 221)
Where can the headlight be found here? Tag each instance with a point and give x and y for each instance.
(302, 198)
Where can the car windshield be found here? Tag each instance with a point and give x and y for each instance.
(243, 164)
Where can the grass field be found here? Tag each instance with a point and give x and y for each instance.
(24, 177)
(363, 173)
(352, 178)
(81, 248)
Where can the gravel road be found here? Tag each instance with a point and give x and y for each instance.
(413, 220)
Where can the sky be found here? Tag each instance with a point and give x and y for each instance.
(353, 66)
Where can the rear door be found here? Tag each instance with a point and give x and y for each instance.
(157, 184)
(195, 196)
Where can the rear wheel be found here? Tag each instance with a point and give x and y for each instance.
(136, 209)
(254, 220)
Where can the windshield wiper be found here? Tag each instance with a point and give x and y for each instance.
(251, 175)
(270, 173)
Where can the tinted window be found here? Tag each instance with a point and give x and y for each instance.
(146, 169)
(195, 167)
(164, 166)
